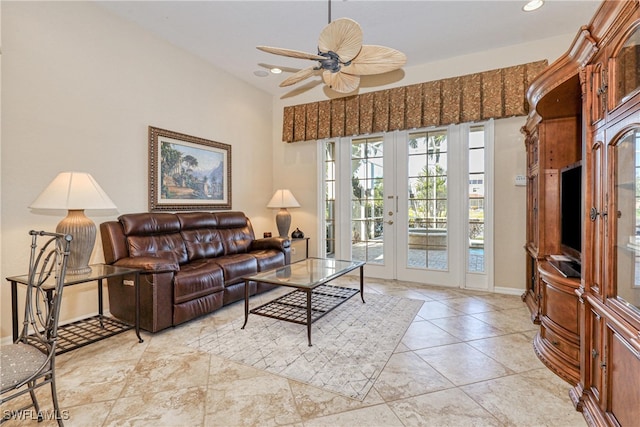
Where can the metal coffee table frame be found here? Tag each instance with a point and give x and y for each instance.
(312, 297)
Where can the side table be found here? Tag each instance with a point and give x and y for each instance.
(299, 244)
(91, 329)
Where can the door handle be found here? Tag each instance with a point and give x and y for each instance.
(389, 222)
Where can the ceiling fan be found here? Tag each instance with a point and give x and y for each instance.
(342, 57)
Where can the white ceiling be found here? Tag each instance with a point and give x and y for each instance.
(226, 33)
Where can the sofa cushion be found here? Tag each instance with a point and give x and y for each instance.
(236, 240)
(236, 266)
(231, 219)
(195, 220)
(268, 259)
(149, 223)
(199, 230)
(167, 246)
(235, 231)
(202, 243)
(197, 279)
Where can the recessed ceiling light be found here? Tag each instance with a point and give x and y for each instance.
(260, 73)
(533, 5)
(276, 70)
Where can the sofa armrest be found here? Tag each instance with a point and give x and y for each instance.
(279, 243)
(149, 264)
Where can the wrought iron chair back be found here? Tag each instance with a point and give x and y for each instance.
(29, 363)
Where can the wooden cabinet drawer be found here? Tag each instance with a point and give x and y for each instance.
(562, 346)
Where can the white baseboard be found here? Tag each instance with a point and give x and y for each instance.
(508, 291)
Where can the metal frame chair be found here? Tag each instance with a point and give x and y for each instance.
(29, 363)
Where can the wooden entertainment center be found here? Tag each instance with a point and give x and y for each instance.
(585, 113)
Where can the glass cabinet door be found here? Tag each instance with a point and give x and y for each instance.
(627, 68)
(627, 198)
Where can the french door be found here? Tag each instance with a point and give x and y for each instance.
(415, 205)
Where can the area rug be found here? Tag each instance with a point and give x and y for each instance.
(351, 344)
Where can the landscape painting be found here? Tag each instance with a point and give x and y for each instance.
(187, 172)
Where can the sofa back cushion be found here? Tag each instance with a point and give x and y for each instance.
(186, 236)
(148, 223)
(154, 234)
(235, 231)
(200, 235)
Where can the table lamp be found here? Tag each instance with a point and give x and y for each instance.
(75, 191)
(283, 199)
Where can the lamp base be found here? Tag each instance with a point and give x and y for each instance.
(283, 221)
(83, 231)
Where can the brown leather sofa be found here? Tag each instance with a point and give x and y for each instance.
(193, 263)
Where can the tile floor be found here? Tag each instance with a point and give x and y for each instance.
(466, 360)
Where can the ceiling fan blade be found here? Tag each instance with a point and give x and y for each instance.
(374, 59)
(341, 82)
(342, 36)
(299, 76)
(290, 53)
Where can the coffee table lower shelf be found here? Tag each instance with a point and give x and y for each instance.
(294, 307)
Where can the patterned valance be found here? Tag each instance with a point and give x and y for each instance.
(488, 95)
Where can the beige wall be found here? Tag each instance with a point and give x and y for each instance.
(80, 87)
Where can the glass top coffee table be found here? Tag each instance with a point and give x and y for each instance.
(312, 297)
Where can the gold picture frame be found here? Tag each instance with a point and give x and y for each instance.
(187, 172)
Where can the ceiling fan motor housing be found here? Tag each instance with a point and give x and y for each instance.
(332, 63)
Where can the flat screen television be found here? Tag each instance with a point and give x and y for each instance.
(571, 210)
(570, 219)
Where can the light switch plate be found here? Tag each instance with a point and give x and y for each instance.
(521, 181)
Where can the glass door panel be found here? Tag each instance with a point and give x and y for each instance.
(476, 201)
(367, 200)
(627, 68)
(427, 234)
(627, 197)
(330, 198)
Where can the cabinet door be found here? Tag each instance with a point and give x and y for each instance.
(549, 213)
(623, 366)
(596, 363)
(531, 297)
(595, 229)
(624, 292)
(596, 92)
(532, 214)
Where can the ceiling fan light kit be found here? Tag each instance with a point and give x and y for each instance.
(342, 57)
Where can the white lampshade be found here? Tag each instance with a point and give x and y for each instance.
(75, 191)
(283, 199)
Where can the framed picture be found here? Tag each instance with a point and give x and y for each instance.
(187, 172)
